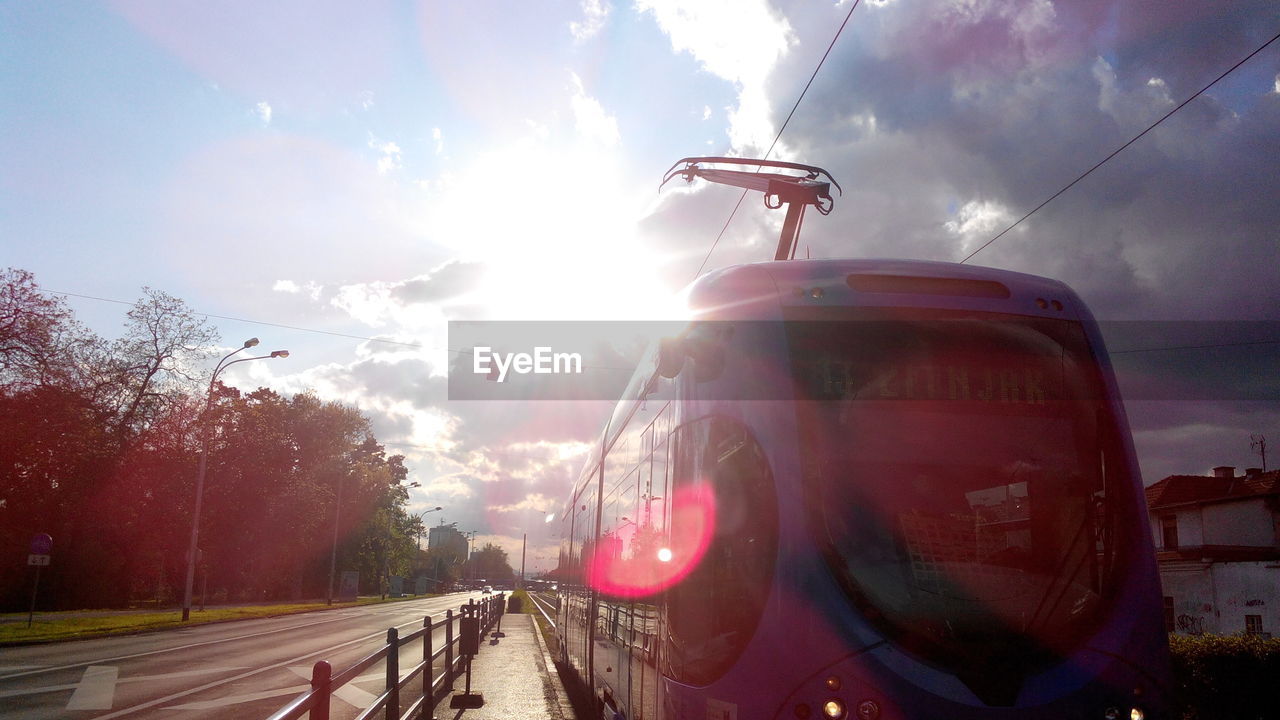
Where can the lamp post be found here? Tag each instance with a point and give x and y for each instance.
(420, 516)
(471, 553)
(204, 461)
(333, 551)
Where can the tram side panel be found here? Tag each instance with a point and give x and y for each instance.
(632, 526)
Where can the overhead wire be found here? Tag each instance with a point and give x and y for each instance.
(778, 136)
(298, 328)
(419, 346)
(1118, 150)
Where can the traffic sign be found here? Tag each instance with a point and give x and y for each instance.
(41, 544)
(38, 560)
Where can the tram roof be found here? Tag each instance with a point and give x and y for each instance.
(789, 272)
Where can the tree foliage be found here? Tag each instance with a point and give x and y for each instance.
(99, 445)
(490, 563)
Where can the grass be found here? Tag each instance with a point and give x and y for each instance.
(81, 624)
(528, 608)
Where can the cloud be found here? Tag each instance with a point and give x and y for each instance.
(279, 205)
(946, 121)
(976, 221)
(310, 289)
(448, 281)
(263, 111)
(739, 41)
(537, 502)
(400, 303)
(389, 156)
(594, 14)
(590, 117)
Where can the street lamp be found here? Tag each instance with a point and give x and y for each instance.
(471, 566)
(419, 516)
(204, 460)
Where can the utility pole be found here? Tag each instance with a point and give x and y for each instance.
(1258, 443)
(333, 550)
(523, 540)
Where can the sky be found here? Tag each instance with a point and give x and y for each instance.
(336, 175)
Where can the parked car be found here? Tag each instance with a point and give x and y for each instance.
(487, 589)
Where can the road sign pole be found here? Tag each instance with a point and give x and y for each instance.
(34, 587)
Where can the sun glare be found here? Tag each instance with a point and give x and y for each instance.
(556, 230)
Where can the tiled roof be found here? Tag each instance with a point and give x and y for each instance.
(1179, 489)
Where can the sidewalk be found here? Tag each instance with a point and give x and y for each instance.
(515, 674)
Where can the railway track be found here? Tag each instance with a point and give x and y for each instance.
(544, 606)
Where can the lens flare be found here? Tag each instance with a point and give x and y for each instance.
(638, 560)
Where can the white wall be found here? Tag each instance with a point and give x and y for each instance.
(1245, 522)
(1215, 599)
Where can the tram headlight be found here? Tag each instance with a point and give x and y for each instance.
(1136, 714)
(833, 709)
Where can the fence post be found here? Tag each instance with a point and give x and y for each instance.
(448, 648)
(427, 676)
(393, 675)
(321, 674)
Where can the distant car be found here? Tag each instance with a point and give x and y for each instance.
(487, 589)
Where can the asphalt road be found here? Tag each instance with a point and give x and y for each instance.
(244, 669)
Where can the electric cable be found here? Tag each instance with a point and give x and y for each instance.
(401, 343)
(772, 145)
(1122, 147)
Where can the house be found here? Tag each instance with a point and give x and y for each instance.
(1217, 542)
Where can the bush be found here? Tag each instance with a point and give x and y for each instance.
(516, 603)
(1219, 677)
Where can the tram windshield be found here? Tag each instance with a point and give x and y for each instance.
(957, 468)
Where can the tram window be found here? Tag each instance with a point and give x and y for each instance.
(713, 612)
(966, 483)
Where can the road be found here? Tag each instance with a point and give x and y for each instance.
(244, 669)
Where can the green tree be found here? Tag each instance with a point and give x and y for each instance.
(490, 563)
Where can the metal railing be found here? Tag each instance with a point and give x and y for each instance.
(314, 703)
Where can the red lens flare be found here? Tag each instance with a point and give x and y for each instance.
(641, 560)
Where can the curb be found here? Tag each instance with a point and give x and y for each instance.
(563, 705)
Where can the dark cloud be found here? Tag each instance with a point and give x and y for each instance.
(926, 112)
(448, 281)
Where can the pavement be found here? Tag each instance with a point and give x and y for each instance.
(516, 676)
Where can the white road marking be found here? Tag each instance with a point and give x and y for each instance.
(237, 699)
(96, 689)
(348, 693)
(53, 668)
(16, 668)
(38, 690)
(136, 678)
(241, 676)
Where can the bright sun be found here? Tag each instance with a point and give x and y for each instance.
(556, 231)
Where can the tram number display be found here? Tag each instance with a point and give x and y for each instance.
(1022, 383)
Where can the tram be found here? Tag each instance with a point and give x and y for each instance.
(866, 489)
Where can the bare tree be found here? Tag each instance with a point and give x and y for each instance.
(37, 333)
(158, 358)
